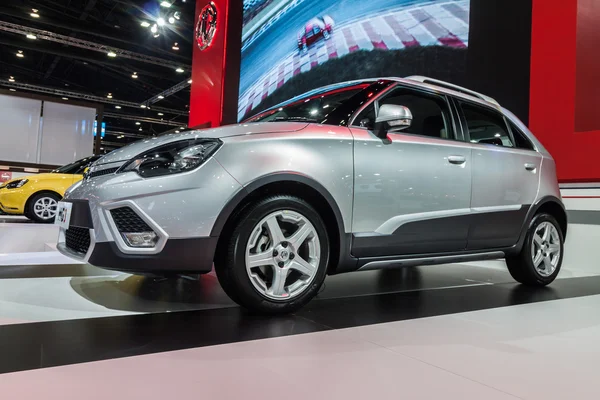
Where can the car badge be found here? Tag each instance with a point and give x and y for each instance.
(206, 26)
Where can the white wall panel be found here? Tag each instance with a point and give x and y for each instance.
(67, 133)
(19, 128)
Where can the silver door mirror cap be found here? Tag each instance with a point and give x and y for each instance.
(396, 117)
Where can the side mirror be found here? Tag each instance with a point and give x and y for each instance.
(86, 170)
(392, 118)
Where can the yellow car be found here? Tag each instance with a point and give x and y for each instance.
(37, 196)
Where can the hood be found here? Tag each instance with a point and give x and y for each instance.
(132, 150)
(39, 178)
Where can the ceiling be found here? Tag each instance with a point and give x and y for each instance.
(100, 27)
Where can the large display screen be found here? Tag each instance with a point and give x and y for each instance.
(292, 46)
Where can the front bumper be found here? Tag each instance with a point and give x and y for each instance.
(193, 255)
(179, 210)
(11, 201)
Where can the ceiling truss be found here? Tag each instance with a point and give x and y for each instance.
(89, 97)
(85, 44)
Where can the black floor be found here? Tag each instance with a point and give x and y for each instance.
(346, 301)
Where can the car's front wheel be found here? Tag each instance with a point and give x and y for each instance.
(276, 257)
(540, 259)
(43, 207)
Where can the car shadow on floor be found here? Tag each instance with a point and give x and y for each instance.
(144, 294)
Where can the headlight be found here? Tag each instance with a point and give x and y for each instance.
(172, 158)
(17, 184)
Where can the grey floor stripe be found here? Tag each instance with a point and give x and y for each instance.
(584, 217)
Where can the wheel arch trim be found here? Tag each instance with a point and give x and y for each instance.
(535, 207)
(265, 180)
(345, 260)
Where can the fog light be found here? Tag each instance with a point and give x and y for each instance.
(140, 239)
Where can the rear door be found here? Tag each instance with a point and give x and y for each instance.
(413, 188)
(506, 175)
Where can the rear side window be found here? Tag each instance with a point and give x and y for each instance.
(486, 126)
(520, 139)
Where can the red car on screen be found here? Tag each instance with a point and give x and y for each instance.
(315, 29)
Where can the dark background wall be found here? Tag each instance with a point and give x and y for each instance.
(499, 52)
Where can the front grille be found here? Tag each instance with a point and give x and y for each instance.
(102, 172)
(77, 239)
(127, 220)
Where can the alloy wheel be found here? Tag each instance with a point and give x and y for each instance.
(45, 208)
(545, 249)
(283, 255)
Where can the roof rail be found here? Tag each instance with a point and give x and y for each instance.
(457, 88)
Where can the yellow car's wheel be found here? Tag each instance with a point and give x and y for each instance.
(42, 207)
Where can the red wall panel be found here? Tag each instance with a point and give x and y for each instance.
(587, 94)
(554, 77)
(206, 102)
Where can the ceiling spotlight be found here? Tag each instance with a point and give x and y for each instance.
(175, 46)
(145, 24)
(120, 136)
(65, 98)
(154, 28)
(20, 54)
(177, 15)
(179, 70)
(176, 131)
(35, 14)
(138, 123)
(12, 90)
(156, 35)
(190, 81)
(111, 54)
(109, 96)
(161, 114)
(160, 96)
(134, 75)
(160, 21)
(118, 107)
(140, 129)
(31, 36)
(165, 4)
(11, 79)
(171, 20)
(143, 106)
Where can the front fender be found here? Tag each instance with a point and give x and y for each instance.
(322, 155)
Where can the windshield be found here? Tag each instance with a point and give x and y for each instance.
(311, 107)
(76, 167)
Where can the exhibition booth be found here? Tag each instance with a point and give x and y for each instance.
(283, 147)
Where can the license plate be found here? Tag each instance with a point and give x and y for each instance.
(63, 217)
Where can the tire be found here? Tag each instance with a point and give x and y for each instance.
(304, 261)
(39, 199)
(522, 266)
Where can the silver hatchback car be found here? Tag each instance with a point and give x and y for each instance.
(361, 175)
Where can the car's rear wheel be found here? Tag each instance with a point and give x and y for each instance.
(276, 257)
(540, 259)
(43, 207)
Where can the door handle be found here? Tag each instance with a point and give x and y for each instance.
(456, 160)
(530, 167)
